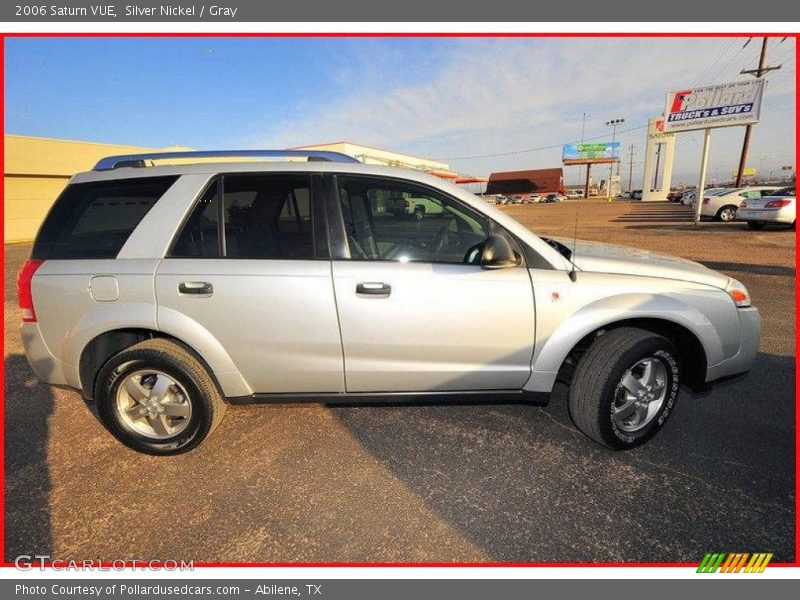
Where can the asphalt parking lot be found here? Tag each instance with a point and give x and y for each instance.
(447, 483)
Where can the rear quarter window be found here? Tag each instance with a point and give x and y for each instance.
(95, 219)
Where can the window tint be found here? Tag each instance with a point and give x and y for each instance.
(387, 220)
(268, 217)
(95, 219)
(265, 216)
(200, 235)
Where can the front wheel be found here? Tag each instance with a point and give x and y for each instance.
(155, 397)
(625, 387)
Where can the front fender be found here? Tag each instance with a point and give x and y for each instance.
(667, 306)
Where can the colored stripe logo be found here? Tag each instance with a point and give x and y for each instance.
(734, 562)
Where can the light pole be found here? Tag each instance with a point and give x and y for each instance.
(613, 124)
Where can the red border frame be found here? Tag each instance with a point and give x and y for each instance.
(794, 35)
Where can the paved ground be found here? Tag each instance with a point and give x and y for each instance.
(432, 483)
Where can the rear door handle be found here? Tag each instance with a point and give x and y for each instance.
(196, 288)
(374, 288)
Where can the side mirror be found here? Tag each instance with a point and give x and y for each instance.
(498, 253)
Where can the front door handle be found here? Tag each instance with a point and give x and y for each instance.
(196, 288)
(374, 288)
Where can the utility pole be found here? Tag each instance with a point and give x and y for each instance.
(613, 123)
(658, 164)
(760, 71)
(630, 167)
(583, 132)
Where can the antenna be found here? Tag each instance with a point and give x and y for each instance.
(572, 273)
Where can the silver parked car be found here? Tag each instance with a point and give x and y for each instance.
(163, 293)
(778, 207)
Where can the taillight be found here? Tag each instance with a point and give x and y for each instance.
(24, 295)
(706, 200)
(777, 203)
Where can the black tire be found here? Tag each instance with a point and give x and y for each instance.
(208, 406)
(756, 225)
(720, 216)
(597, 377)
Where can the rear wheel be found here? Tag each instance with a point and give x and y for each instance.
(625, 387)
(155, 397)
(756, 225)
(726, 213)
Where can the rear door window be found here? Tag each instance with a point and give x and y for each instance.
(261, 217)
(94, 220)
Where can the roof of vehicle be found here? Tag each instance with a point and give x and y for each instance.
(744, 188)
(252, 166)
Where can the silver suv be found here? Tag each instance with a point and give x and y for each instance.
(163, 293)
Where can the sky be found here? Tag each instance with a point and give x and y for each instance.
(481, 105)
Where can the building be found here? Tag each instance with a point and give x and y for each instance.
(536, 181)
(377, 156)
(36, 170)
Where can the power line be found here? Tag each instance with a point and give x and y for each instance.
(539, 149)
(714, 63)
(780, 107)
(784, 55)
(775, 84)
(728, 64)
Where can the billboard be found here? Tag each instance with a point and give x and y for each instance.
(724, 105)
(746, 172)
(581, 154)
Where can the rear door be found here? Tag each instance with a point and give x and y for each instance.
(251, 266)
(416, 311)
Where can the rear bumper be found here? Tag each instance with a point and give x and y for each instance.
(47, 368)
(741, 362)
(767, 216)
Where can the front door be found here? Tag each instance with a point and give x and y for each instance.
(416, 311)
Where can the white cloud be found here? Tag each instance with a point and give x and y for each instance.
(497, 95)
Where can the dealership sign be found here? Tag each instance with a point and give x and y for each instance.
(724, 105)
(580, 154)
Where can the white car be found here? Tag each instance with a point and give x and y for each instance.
(723, 206)
(778, 207)
(692, 201)
(687, 198)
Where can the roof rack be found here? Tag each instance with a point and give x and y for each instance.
(139, 160)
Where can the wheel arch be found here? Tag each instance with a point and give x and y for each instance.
(690, 349)
(693, 334)
(103, 347)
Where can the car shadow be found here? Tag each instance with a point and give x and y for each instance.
(750, 268)
(523, 485)
(28, 410)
